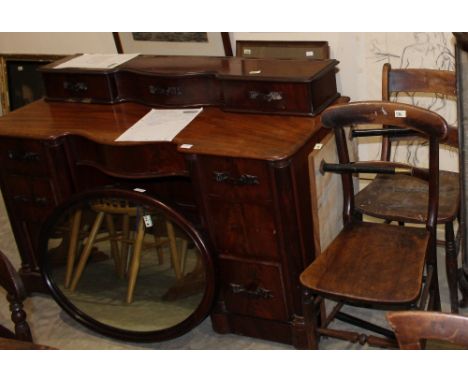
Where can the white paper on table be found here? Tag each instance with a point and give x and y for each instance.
(159, 125)
(97, 61)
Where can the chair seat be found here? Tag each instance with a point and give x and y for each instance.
(371, 263)
(404, 198)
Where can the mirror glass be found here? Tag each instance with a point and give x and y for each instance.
(125, 263)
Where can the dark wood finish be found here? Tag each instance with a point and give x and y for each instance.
(404, 199)
(283, 49)
(462, 89)
(16, 293)
(374, 264)
(413, 328)
(244, 181)
(227, 44)
(302, 87)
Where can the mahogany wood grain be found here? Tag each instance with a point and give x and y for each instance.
(260, 231)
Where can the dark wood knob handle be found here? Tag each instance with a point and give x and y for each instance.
(75, 87)
(251, 290)
(243, 180)
(265, 97)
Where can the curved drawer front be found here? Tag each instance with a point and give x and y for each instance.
(168, 91)
(135, 161)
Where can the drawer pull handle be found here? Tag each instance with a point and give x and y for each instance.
(165, 91)
(40, 201)
(75, 87)
(253, 291)
(266, 97)
(29, 156)
(21, 198)
(243, 180)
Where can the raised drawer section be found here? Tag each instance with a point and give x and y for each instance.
(253, 289)
(237, 179)
(129, 161)
(22, 156)
(89, 87)
(32, 197)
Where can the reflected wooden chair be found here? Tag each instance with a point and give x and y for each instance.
(108, 209)
(412, 329)
(401, 198)
(368, 264)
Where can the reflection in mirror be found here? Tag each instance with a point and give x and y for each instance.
(125, 264)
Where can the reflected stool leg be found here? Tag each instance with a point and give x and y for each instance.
(87, 250)
(135, 260)
(75, 222)
(125, 243)
(114, 246)
(173, 249)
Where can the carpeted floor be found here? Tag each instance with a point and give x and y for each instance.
(51, 326)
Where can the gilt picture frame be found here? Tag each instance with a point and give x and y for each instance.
(20, 83)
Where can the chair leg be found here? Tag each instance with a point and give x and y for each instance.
(135, 261)
(18, 316)
(309, 307)
(75, 223)
(451, 266)
(87, 250)
(434, 299)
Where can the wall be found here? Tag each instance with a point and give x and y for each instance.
(361, 57)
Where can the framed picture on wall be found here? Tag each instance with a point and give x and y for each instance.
(20, 82)
(174, 43)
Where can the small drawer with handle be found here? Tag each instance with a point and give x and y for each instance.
(253, 288)
(22, 156)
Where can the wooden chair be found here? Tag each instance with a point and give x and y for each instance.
(20, 338)
(373, 264)
(16, 293)
(413, 328)
(403, 199)
(108, 209)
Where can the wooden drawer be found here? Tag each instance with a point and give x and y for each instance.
(168, 91)
(80, 87)
(129, 161)
(243, 229)
(237, 179)
(22, 156)
(253, 289)
(32, 197)
(266, 97)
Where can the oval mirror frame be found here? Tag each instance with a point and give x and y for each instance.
(200, 313)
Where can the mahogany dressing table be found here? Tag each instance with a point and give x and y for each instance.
(243, 181)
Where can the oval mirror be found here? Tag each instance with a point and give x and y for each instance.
(127, 265)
